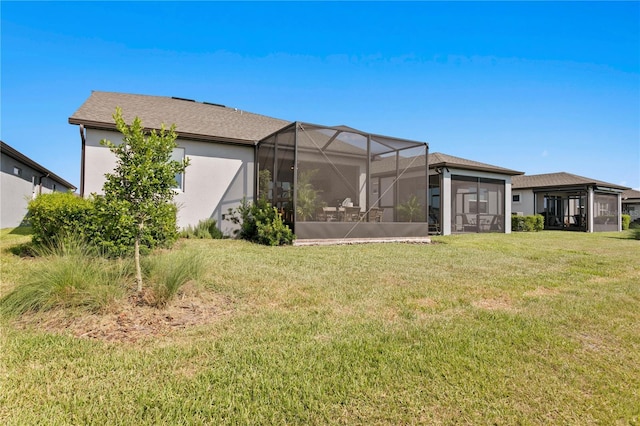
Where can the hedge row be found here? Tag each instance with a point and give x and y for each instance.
(106, 225)
(527, 223)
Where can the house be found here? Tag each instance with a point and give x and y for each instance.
(631, 204)
(21, 180)
(219, 141)
(569, 202)
(328, 181)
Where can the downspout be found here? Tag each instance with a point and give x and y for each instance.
(40, 183)
(82, 160)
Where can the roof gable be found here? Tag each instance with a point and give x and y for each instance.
(199, 120)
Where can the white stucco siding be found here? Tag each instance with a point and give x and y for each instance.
(526, 205)
(217, 178)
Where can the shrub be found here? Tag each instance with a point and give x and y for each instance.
(261, 223)
(527, 223)
(207, 228)
(626, 220)
(57, 214)
(106, 225)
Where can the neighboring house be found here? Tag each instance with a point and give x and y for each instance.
(569, 202)
(350, 184)
(631, 204)
(21, 180)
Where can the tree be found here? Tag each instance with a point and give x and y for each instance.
(143, 181)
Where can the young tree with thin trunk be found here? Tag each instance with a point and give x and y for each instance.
(144, 178)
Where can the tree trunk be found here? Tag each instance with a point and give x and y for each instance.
(136, 256)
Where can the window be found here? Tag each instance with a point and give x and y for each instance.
(178, 155)
(17, 171)
(516, 198)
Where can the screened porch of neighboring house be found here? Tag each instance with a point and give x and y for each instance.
(569, 210)
(339, 182)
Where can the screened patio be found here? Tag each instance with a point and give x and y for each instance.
(339, 182)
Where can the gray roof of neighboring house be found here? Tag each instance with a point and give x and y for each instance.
(13, 153)
(557, 180)
(630, 196)
(438, 159)
(193, 120)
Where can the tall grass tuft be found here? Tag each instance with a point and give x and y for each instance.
(206, 228)
(167, 272)
(71, 274)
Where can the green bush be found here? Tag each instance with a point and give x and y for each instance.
(57, 214)
(106, 225)
(626, 220)
(261, 223)
(529, 223)
(207, 228)
(111, 227)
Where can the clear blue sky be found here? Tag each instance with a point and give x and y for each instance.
(538, 87)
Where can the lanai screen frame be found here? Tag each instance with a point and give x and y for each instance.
(288, 152)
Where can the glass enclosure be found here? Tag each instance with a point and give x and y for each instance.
(477, 204)
(338, 182)
(565, 211)
(605, 212)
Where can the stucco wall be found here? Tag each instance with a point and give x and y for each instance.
(18, 190)
(526, 203)
(217, 179)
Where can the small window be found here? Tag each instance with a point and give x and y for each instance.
(17, 171)
(516, 198)
(178, 155)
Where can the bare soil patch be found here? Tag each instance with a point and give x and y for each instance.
(500, 304)
(133, 320)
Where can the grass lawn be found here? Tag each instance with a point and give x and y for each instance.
(526, 328)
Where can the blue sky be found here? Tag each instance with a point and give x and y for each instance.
(538, 87)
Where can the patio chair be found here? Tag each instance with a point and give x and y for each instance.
(329, 214)
(351, 214)
(375, 214)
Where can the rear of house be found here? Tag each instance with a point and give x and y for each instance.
(569, 202)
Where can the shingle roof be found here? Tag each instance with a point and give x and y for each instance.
(196, 120)
(560, 179)
(630, 195)
(438, 159)
(13, 153)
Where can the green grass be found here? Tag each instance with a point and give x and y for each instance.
(526, 328)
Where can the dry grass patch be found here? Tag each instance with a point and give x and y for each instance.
(131, 321)
(542, 292)
(495, 304)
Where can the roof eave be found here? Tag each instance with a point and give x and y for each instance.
(475, 168)
(11, 152)
(99, 125)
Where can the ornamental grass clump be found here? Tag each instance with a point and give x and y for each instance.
(71, 274)
(168, 272)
